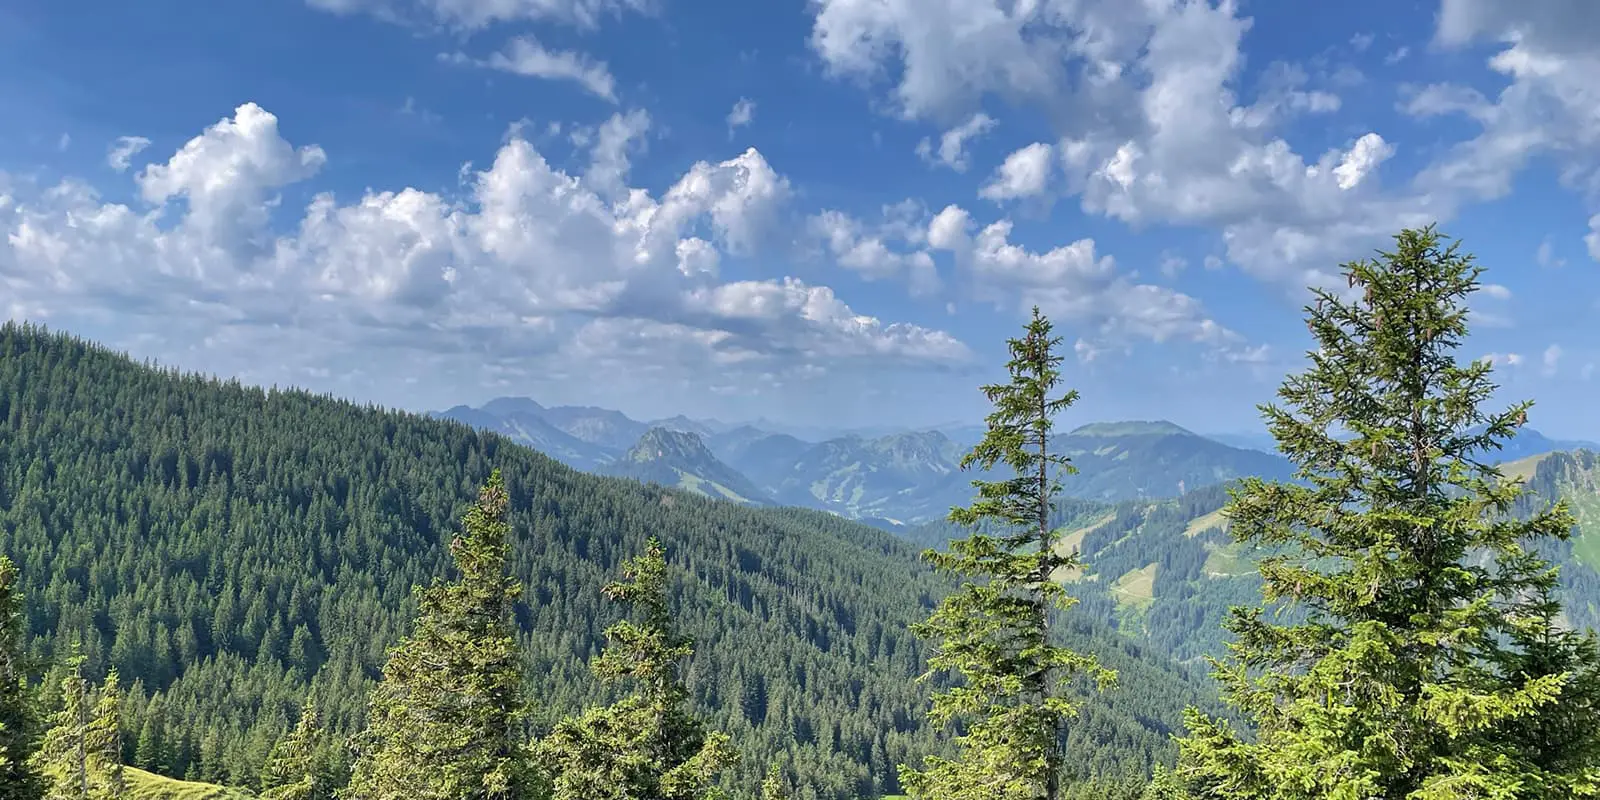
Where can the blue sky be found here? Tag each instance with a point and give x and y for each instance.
(823, 211)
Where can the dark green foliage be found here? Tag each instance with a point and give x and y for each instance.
(1164, 785)
(648, 745)
(79, 756)
(772, 787)
(995, 630)
(18, 722)
(228, 545)
(1429, 665)
(103, 741)
(297, 768)
(442, 724)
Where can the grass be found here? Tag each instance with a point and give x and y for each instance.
(1201, 524)
(1137, 588)
(1071, 542)
(149, 786)
(1522, 468)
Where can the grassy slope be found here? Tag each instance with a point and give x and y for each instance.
(147, 786)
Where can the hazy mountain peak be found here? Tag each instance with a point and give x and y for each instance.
(661, 443)
(507, 406)
(1131, 428)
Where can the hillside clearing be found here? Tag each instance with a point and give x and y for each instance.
(149, 786)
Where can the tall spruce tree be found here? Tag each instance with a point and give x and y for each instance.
(62, 759)
(444, 722)
(18, 722)
(103, 744)
(648, 745)
(1429, 664)
(80, 756)
(772, 787)
(995, 629)
(297, 768)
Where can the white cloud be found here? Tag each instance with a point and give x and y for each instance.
(1074, 283)
(952, 150)
(742, 114)
(1592, 238)
(1154, 124)
(1363, 157)
(1496, 291)
(64, 142)
(1499, 359)
(1545, 256)
(120, 154)
(1551, 105)
(529, 272)
(477, 14)
(870, 254)
(1551, 359)
(610, 160)
(525, 56)
(1025, 173)
(226, 174)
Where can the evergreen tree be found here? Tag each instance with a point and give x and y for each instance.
(17, 718)
(442, 723)
(772, 786)
(80, 756)
(647, 746)
(1430, 665)
(1164, 785)
(995, 629)
(63, 755)
(296, 769)
(103, 744)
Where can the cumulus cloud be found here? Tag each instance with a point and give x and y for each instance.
(1551, 359)
(876, 255)
(952, 149)
(742, 114)
(529, 272)
(1550, 105)
(525, 56)
(1155, 125)
(1075, 283)
(1025, 173)
(120, 154)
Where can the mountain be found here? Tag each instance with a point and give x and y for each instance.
(890, 480)
(609, 429)
(681, 460)
(1126, 460)
(1166, 571)
(523, 421)
(227, 548)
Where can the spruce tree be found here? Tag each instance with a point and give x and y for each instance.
(80, 756)
(772, 786)
(994, 631)
(103, 744)
(18, 721)
(62, 759)
(648, 745)
(296, 769)
(1428, 664)
(443, 722)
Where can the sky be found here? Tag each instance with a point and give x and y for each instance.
(815, 211)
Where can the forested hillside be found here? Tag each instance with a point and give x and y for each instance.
(225, 548)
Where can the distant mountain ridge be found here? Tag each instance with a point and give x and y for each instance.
(890, 479)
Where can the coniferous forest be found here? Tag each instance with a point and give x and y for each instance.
(298, 597)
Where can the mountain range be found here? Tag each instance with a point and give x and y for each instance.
(892, 479)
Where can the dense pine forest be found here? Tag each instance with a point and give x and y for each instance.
(230, 550)
(305, 598)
